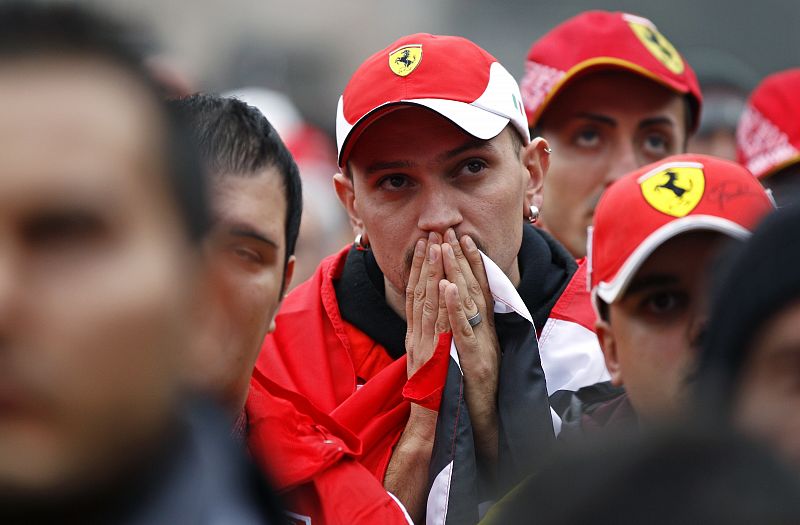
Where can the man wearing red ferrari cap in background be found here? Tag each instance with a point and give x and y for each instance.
(649, 277)
(437, 168)
(610, 94)
(768, 136)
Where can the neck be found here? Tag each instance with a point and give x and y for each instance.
(397, 299)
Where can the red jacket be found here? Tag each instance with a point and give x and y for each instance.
(311, 461)
(346, 374)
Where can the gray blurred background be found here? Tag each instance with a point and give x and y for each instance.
(308, 48)
(304, 51)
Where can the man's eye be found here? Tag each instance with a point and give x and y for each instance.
(62, 229)
(246, 254)
(656, 144)
(474, 167)
(393, 182)
(587, 138)
(663, 302)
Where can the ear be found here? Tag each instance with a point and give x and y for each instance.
(609, 346)
(288, 273)
(344, 190)
(536, 161)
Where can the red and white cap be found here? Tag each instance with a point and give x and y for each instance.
(447, 74)
(603, 40)
(768, 135)
(646, 208)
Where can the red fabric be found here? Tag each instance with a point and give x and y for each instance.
(313, 351)
(439, 74)
(597, 40)
(312, 460)
(768, 136)
(624, 218)
(575, 303)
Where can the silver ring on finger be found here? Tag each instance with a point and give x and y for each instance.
(475, 320)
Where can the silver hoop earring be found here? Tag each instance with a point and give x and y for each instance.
(548, 150)
(360, 243)
(534, 216)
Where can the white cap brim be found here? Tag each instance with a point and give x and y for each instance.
(613, 290)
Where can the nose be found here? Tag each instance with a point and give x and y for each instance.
(625, 161)
(697, 332)
(438, 211)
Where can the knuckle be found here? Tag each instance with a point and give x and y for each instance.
(419, 294)
(466, 330)
(429, 307)
(475, 288)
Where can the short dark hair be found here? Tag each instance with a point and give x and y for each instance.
(237, 139)
(31, 30)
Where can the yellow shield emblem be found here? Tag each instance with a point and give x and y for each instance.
(404, 60)
(675, 190)
(659, 46)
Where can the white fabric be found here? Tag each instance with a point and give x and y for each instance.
(439, 497)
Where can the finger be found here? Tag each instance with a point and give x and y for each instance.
(456, 275)
(429, 272)
(462, 331)
(419, 289)
(442, 320)
(470, 281)
(430, 307)
(478, 270)
(413, 277)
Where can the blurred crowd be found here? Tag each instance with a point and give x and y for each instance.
(563, 298)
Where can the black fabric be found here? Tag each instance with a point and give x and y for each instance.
(545, 271)
(597, 409)
(361, 296)
(198, 474)
(757, 280)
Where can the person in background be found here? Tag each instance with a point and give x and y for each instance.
(610, 94)
(649, 279)
(256, 203)
(750, 364)
(768, 136)
(102, 216)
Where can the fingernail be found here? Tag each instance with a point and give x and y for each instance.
(451, 236)
(469, 243)
(419, 249)
(432, 238)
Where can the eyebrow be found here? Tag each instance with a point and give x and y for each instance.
(597, 118)
(654, 121)
(242, 230)
(650, 281)
(469, 145)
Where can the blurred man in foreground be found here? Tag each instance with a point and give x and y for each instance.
(649, 275)
(256, 207)
(768, 136)
(610, 94)
(101, 217)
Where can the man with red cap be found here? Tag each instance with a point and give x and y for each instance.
(768, 135)
(440, 176)
(610, 94)
(649, 275)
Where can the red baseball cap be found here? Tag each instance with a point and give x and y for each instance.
(768, 135)
(447, 74)
(646, 208)
(603, 40)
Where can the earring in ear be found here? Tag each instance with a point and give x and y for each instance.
(548, 150)
(361, 243)
(534, 216)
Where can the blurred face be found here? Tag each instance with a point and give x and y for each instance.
(247, 248)
(414, 172)
(768, 401)
(95, 276)
(601, 127)
(653, 332)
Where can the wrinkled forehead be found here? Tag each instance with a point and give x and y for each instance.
(407, 134)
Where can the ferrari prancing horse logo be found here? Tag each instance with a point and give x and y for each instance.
(658, 45)
(674, 189)
(404, 60)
